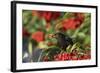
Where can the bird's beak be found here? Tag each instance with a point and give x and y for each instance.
(52, 36)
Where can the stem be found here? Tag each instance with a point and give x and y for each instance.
(40, 56)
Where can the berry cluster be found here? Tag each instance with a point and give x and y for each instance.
(65, 56)
(68, 56)
(73, 23)
(48, 16)
(38, 36)
(84, 57)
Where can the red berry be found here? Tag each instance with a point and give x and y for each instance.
(73, 23)
(84, 57)
(64, 56)
(69, 24)
(59, 56)
(74, 58)
(38, 36)
(55, 15)
(80, 17)
(48, 16)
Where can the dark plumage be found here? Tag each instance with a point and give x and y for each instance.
(63, 40)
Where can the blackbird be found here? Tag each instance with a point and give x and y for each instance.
(63, 41)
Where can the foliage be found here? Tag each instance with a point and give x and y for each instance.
(39, 28)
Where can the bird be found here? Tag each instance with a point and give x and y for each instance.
(63, 41)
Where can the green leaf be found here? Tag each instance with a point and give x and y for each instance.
(87, 40)
(81, 35)
(68, 48)
(75, 46)
(43, 22)
(26, 17)
(30, 48)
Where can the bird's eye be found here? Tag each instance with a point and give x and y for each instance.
(56, 35)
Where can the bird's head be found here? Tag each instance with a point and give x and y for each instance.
(58, 35)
